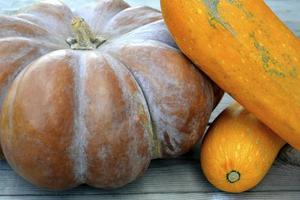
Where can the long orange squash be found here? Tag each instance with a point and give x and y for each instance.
(238, 150)
(247, 51)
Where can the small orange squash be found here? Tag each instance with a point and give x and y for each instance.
(248, 52)
(238, 150)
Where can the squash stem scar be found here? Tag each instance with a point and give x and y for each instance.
(233, 176)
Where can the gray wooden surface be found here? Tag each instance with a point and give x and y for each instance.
(179, 178)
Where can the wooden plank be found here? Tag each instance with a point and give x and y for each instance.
(163, 176)
(173, 196)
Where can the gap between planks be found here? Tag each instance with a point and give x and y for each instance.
(163, 176)
(176, 196)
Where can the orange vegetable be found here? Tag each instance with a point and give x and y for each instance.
(93, 99)
(247, 51)
(238, 150)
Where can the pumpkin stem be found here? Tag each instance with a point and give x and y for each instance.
(233, 176)
(83, 39)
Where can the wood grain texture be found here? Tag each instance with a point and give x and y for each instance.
(179, 178)
(164, 176)
(174, 196)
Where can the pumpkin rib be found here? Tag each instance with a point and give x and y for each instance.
(139, 16)
(29, 29)
(163, 124)
(149, 42)
(154, 143)
(50, 45)
(7, 77)
(32, 41)
(136, 111)
(55, 8)
(81, 128)
(97, 17)
(155, 31)
(42, 143)
(56, 13)
(137, 28)
(22, 26)
(12, 26)
(8, 107)
(80, 138)
(37, 21)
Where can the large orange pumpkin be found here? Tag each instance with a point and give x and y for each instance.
(96, 112)
(247, 51)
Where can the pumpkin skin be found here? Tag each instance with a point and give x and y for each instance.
(248, 52)
(98, 117)
(238, 150)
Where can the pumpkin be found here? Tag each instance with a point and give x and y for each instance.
(238, 150)
(248, 52)
(91, 96)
